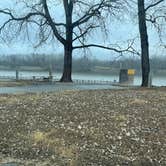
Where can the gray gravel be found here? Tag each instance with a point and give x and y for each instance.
(53, 88)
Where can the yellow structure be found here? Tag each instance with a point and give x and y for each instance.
(126, 76)
(131, 72)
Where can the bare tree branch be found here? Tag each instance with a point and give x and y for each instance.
(83, 32)
(94, 10)
(154, 4)
(129, 49)
(21, 18)
(51, 23)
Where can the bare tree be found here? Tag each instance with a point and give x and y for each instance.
(80, 18)
(142, 16)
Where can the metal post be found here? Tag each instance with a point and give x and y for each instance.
(150, 80)
(17, 75)
(50, 73)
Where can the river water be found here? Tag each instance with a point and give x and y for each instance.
(156, 80)
(54, 86)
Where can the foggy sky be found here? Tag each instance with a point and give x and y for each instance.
(119, 31)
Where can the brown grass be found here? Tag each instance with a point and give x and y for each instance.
(101, 127)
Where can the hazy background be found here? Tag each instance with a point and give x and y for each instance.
(121, 29)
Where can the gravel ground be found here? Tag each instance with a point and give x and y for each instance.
(28, 86)
(84, 128)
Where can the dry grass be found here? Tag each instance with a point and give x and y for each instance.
(84, 128)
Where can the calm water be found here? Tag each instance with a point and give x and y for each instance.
(156, 80)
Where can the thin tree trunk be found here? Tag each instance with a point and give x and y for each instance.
(144, 43)
(67, 68)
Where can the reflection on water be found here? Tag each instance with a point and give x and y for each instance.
(156, 80)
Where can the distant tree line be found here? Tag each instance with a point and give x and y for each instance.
(82, 64)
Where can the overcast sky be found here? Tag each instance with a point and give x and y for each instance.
(119, 31)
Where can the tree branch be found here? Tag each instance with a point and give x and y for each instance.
(21, 18)
(154, 20)
(51, 23)
(93, 11)
(129, 49)
(85, 32)
(154, 4)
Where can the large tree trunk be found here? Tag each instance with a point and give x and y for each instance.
(68, 46)
(67, 68)
(144, 43)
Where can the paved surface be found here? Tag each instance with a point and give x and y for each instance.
(10, 164)
(52, 88)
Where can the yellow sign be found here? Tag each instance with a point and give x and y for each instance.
(131, 72)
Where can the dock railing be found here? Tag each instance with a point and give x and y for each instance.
(92, 82)
(54, 79)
